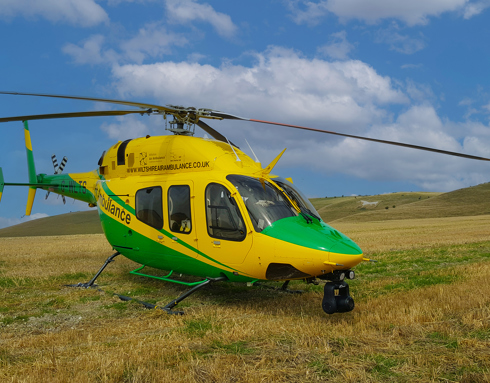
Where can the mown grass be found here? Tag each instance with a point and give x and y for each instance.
(422, 315)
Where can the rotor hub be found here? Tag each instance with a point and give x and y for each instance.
(181, 128)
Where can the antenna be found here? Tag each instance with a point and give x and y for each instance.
(231, 146)
(256, 159)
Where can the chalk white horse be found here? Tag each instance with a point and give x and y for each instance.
(366, 203)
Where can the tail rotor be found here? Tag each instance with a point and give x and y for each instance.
(58, 170)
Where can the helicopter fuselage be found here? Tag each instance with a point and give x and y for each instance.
(200, 207)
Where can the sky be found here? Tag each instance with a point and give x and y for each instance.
(411, 71)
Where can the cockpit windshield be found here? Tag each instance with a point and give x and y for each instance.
(265, 203)
(297, 196)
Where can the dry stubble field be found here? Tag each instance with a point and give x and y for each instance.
(422, 315)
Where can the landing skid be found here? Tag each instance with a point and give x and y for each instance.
(168, 307)
(92, 281)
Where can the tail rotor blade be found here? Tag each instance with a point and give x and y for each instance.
(62, 165)
(55, 163)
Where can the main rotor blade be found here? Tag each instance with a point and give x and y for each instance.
(214, 133)
(369, 139)
(75, 114)
(129, 103)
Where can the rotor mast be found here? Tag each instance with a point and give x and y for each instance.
(185, 119)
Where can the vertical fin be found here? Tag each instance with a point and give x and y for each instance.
(31, 169)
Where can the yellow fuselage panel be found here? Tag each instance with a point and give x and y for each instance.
(173, 155)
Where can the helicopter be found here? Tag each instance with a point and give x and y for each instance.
(202, 207)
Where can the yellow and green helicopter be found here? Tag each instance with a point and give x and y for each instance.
(202, 207)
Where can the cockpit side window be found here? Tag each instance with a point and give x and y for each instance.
(179, 209)
(223, 216)
(148, 207)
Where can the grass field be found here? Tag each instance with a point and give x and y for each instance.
(422, 315)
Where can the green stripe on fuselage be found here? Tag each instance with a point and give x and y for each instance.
(65, 185)
(111, 227)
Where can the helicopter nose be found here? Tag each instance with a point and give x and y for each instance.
(345, 253)
(333, 246)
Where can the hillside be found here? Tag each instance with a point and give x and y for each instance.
(470, 201)
(83, 222)
(331, 209)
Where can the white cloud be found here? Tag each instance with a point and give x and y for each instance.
(410, 12)
(188, 11)
(475, 8)
(152, 41)
(419, 92)
(466, 102)
(338, 47)
(398, 42)
(125, 128)
(90, 51)
(280, 83)
(472, 109)
(117, 2)
(195, 57)
(345, 96)
(412, 66)
(85, 13)
(419, 125)
(311, 15)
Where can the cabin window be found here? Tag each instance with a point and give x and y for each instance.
(179, 209)
(149, 206)
(223, 217)
(121, 153)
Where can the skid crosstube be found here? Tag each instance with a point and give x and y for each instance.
(168, 307)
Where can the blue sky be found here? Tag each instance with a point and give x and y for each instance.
(414, 72)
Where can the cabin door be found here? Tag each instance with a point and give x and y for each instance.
(223, 235)
(180, 220)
